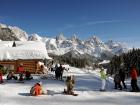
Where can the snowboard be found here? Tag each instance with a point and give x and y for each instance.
(73, 94)
(20, 82)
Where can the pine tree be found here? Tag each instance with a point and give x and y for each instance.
(14, 44)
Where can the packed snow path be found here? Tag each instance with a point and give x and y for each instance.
(87, 86)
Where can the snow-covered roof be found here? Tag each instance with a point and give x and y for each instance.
(104, 62)
(23, 50)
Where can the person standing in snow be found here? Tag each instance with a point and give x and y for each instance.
(122, 77)
(1, 79)
(117, 81)
(103, 78)
(61, 69)
(134, 75)
(20, 70)
(56, 71)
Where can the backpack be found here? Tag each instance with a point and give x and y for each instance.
(117, 78)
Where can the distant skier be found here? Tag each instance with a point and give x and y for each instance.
(61, 69)
(117, 81)
(122, 77)
(1, 79)
(134, 75)
(57, 72)
(103, 78)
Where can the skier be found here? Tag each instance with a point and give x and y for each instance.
(122, 77)
(57, 72)
(103, 78)
(117, 81)
(134, 75)
(61, 69)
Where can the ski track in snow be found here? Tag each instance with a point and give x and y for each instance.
(87, 85)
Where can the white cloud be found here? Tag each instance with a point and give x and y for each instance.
(102, 22)
(89, 23)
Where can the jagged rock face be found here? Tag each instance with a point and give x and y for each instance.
(34, 37)
(9, 33)
(60, 37)
(116, 47)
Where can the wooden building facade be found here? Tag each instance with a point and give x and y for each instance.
(26, 53)
(12, 65)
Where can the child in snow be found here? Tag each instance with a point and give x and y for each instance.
(37, 89)
(103, 78)
(21, 77)
(11, 75)
(28, 75)
(70, 85)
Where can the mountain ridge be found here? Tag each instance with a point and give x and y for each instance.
(61, 45)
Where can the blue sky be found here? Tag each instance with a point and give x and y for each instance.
(108, 19)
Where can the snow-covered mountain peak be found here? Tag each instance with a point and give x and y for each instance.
(75, 40)
(3, 25)
(35, 37)
(61, 37)
(95, 40)
(22, 35)
(74, 37)
(117, 47)
(9, 33)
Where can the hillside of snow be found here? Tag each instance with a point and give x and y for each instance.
(87, 87)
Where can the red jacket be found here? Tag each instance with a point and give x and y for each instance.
(134, 74)
(1, 77)
(20, 69)
(37, 90)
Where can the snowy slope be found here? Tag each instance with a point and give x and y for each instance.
(87, 86)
